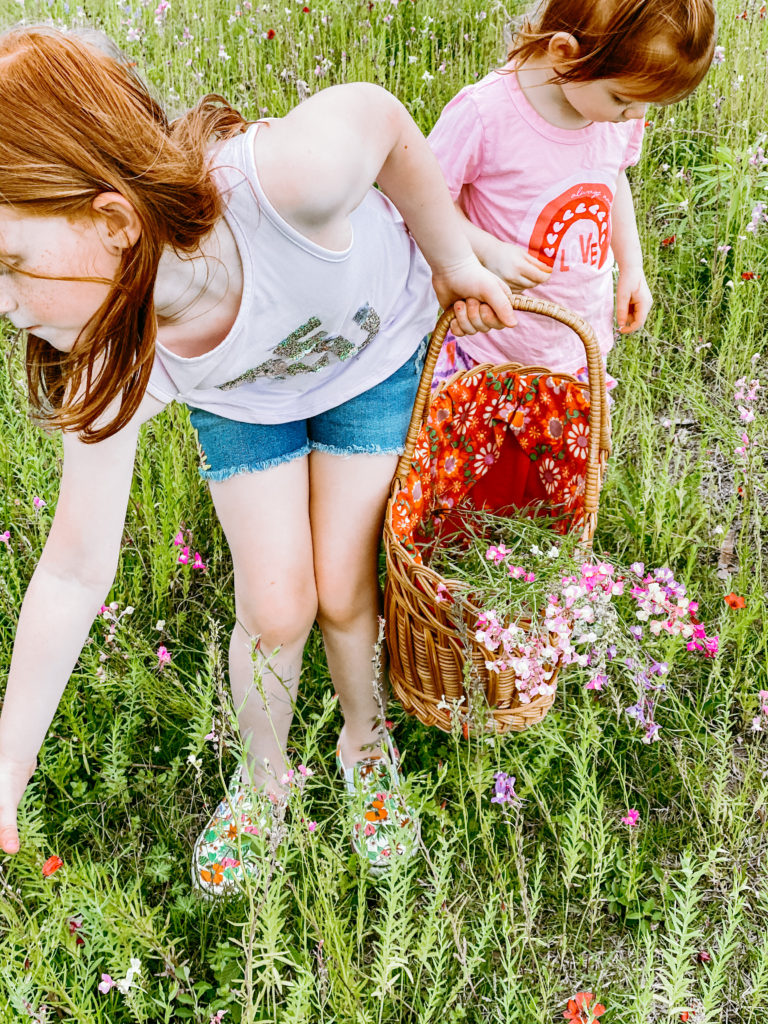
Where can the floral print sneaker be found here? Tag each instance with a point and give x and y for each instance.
(236, 840)
(384, 826)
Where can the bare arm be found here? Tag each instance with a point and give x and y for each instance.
(317, 163)
(69, 585)
(633, 297)
(508, 261)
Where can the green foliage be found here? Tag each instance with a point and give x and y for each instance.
(508, 911)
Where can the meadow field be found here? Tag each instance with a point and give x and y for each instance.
(511, 909)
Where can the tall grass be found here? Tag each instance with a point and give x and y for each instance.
(509, 911)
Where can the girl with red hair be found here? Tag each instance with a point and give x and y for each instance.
(535, 155)
(252, 272)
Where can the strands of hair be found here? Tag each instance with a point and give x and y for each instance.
(103, 132)
(665, 44)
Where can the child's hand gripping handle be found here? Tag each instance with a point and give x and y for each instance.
(599, 421)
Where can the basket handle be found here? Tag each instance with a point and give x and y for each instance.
(599, 422)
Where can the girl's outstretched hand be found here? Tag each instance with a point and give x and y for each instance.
(14, 777)
(481, 300)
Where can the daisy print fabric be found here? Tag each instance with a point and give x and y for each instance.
(498, 439)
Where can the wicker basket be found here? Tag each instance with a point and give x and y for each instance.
(428, 644)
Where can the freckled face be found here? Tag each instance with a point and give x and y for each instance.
(606, 99)
(53, 309)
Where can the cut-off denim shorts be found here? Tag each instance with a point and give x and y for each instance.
(373, 423)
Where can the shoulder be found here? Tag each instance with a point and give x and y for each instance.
(623, 141)
(481, 98)
(317, 162)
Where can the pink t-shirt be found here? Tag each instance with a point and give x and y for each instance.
(548, 190)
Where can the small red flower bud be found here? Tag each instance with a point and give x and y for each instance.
(52, 864)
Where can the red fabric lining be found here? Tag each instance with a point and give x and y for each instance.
(495, 440)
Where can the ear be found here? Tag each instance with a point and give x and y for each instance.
(116, 220)
(562, 49)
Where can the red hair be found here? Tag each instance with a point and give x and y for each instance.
(75, 122)
(664, 44)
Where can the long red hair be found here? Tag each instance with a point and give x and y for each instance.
(666, 44)
(76, 122)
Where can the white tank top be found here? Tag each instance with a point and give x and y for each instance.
(315, 327)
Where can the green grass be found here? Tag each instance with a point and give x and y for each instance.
(506, 915)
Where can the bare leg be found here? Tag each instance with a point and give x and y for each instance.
(347, 503)
(265, 517)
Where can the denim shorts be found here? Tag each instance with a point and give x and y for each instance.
(373, 423)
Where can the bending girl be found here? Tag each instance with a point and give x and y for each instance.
(251, 271)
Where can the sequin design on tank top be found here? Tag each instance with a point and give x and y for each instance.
(304, 352)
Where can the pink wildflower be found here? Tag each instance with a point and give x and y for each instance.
(163, 657)
(39, 502)
(632, 817)
(497, 554)
(198, 562)
(312, 826)
(597, 683)
(184, 555)
(105, 984)
(5, 538)
(178, 540)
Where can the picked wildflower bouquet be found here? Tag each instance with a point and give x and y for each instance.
(544, 604)
(491, 584)
(498, 438)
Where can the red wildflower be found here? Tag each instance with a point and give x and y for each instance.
(750, 275)
(684, 1015)
(667, 242)
(271, 33)
(735, 600)
(703, 956)
(52, 864)
(579, 1010)
(465, 730)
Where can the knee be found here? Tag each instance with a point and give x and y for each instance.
(281, 614)
(341, 606)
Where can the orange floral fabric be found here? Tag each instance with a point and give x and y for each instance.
(496, 439)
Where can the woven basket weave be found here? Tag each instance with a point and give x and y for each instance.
(430, 640)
